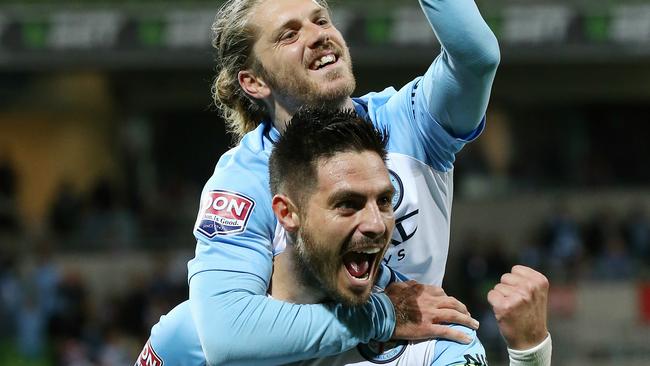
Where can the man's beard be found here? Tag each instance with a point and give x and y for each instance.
(294, 92)
(318, 269)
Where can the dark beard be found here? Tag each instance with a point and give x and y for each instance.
(318, 270)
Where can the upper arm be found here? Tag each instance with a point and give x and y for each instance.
(235, 226)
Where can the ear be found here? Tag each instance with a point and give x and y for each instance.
(253, 85)
(286, 212)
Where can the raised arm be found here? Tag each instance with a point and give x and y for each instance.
(458, 83)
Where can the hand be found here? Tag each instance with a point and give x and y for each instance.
(421, 312)
(519, 303)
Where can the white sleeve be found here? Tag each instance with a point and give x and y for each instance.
(539, 355)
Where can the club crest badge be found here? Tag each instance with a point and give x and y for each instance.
(399, 189)
(223, 213)
(382, 352)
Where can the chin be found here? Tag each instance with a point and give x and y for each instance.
(353, 296)
(353, 299)
(337, 94)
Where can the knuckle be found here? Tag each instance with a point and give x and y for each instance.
(544, 283)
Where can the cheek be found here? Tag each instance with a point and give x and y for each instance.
(338, 38)
(292, 53)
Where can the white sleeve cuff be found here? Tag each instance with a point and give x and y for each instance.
(539, 355)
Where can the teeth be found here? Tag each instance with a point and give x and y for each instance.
(327, 59)
(368, 251)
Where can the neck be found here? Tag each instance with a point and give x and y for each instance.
(287, 282)
(282, 115)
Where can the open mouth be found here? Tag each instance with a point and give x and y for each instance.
(323, 61)
(360, 263)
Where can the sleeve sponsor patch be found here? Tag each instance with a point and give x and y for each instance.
(223, 213)
(148, 357)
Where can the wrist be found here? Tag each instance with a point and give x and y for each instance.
(528, 339)
(539, 355)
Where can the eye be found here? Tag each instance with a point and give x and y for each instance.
(288, 35)
(323, 21)
(385, 202)
(348, 207)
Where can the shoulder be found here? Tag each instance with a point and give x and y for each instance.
(237, 194)
(250, 158)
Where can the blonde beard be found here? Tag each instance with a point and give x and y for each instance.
(293, 93)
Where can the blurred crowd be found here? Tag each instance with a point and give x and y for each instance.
(49, 314)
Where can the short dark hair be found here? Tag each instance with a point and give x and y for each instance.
(316, 133)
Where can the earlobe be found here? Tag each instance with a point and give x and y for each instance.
(253, 85)
(286, 212)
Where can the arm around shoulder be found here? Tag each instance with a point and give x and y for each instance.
(238, 326)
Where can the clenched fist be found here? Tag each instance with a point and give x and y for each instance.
(519, 303)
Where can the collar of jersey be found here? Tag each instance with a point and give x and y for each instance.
(272, 134)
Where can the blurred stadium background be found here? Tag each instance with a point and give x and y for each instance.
(107, 136)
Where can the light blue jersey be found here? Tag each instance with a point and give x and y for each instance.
(429, 121)
(174, 342)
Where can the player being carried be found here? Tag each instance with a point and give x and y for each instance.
(333, 196)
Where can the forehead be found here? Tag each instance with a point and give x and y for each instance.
(364, 172)
(271, 14)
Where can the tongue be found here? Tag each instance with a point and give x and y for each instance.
(356, 264)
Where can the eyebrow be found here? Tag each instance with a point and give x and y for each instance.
(347, 194)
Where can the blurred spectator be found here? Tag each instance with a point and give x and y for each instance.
(563, 242)
(133, 307)
(9, 221)
(9, 293)
(636, 231)
(115, 350)
(73, 352)
(598, 228)
(107, 222)
(531, 254)
(37, 297)
(71, 316)
(31, 321)
(615, 263)
(65, 213)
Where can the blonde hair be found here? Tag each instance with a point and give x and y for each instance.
(233, 40)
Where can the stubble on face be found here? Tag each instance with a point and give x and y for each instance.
(294, 88)
(319, 266)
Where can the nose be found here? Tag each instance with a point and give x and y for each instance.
(372, 223)
(317, 35)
